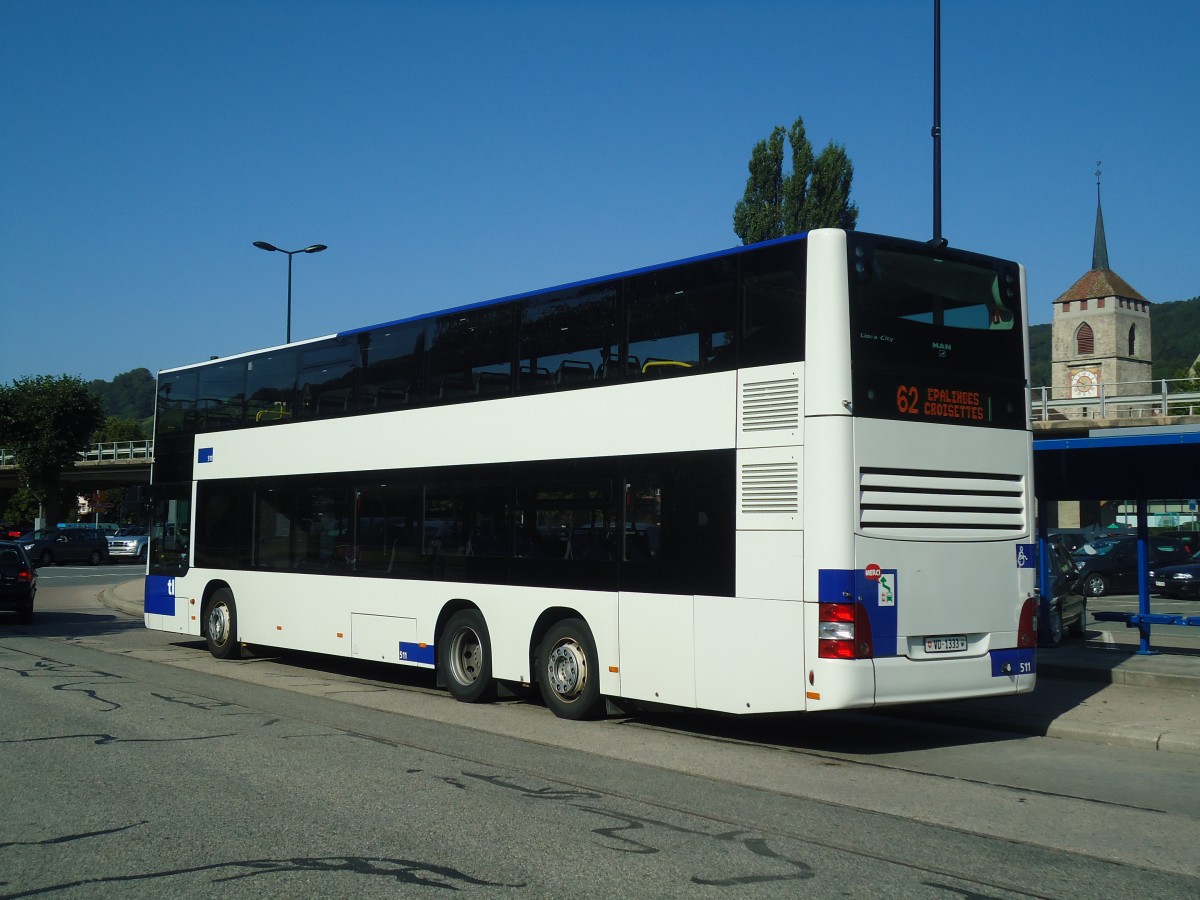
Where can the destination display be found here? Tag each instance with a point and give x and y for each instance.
(951, 399)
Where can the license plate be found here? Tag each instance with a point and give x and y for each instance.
(1160, 584)
(945, 644)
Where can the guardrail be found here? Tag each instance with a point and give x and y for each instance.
(112, 451)
(1164, 398)
(118, 451)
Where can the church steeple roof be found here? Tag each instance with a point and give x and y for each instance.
(1101, 281)
(1099, 245)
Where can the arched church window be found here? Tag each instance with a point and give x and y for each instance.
(1085, 340)
(1132, 339)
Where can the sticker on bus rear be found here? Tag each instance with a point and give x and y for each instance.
(1025, 556)
(885, 583)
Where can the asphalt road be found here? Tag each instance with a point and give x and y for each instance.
(137, 764)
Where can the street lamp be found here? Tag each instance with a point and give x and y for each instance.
(315, 248)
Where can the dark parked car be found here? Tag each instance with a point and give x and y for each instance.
(10, 531)
(1189, 539)
(1177, 581)
(18, 581)
(1110, 564)
(64, 545)
(1064, 606)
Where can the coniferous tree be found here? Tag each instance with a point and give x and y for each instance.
(815, 195)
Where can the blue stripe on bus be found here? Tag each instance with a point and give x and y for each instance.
(880, 597)
(421, 654)
(1009, 663)
(576, 284)
(160, 595)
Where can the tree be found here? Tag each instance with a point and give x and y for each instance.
(116, 429)
(129, 395)
(45, 420)
(815, 195)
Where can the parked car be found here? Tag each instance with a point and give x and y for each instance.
(1181, 581)
(18, 581)
(63, 545)
(10, 531)
(1110, 564)
(1189, 539)
(129, 543)
(1064, 605)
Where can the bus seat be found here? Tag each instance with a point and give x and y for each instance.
(489, 383)
(335, 401)
(612, 368)
(574, 371)
(587, 545)
(539, 379)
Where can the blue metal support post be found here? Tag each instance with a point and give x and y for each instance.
(1143, 555)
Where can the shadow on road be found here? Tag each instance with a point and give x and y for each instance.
(69, 624)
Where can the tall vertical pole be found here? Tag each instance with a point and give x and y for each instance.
(937, 121)
(289, 314)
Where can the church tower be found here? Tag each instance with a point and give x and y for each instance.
(1101, 331)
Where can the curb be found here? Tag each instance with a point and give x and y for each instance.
(969, 715)
(112, 598)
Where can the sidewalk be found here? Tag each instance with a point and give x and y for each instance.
(1098, 690)
(1102, 691)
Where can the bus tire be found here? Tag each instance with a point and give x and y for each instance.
(568, 671)
(465, 657)
(220, 625)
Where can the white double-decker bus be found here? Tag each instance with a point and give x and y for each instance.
(792, 476)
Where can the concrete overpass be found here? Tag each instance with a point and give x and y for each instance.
(100, 466)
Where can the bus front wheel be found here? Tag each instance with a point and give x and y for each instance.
(465, 657)
(568, 672)
(220, 625)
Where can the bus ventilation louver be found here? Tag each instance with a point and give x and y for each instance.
(920, 504)
(771, 488)
(771, 405)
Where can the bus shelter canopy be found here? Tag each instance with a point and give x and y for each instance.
(1146, 464)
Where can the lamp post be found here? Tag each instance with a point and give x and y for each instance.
(315, 248)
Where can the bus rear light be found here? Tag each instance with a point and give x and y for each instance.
(845, 632)
(1027, 626)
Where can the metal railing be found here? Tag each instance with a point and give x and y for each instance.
(118, 451)
(112, 451)
(1166, 397)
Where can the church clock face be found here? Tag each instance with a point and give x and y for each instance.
(1085, 383)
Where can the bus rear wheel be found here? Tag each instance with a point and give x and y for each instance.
(220, 625)
(568, 672)
(465, 657)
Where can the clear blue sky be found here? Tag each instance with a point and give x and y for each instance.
(449, 152)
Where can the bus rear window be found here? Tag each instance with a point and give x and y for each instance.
(932, 291)
(940, 310)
